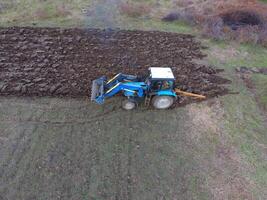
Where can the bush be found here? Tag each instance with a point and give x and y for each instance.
(214, 28)
(263, 36)
(238, 18)
(248, 34)
(172, 16)
(241, 26)
(183, 16)
(217, 30)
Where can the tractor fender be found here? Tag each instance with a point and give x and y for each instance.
(166, 93)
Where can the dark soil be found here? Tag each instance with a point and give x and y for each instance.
(63, 62)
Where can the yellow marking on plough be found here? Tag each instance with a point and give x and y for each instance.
(112, 88)
(113, 79)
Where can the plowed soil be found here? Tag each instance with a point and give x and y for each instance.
(63, 62)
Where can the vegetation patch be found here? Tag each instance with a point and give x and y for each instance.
(244, 26)
(260, 84)
(240, 18)
(134, 9)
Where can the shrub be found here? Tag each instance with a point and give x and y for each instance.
(172, 16)
(263, 32)
(238, 18)
(248, 34)
(263, 36)
(189, 18)
(214, 28)
(183, 16)
(243, 26)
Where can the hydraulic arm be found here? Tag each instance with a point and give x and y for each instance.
(102, 89)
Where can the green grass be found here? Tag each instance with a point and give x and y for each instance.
(246, 130)
(256, 55)
(247, 54)
(260, 84)
(244, 121)
(153, 24)
(53, 13)
(42, 13)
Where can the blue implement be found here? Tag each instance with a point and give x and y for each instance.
(98, 88)
(102, 89)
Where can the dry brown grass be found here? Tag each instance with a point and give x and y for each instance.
(58, 10)
(248, 16)
(263, 37)
(62, 10)
(207, 120)
(136, 9)
(244, 26)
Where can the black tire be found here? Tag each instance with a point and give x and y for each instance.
(128, 105)
(162, 102)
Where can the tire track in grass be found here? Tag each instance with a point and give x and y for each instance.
(129, 155)
(117, 167)
(19, 157)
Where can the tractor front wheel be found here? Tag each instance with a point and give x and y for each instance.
(162, 102)
(128, 105)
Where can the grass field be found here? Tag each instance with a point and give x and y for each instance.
(72, 149)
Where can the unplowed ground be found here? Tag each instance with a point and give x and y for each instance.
(57, 62)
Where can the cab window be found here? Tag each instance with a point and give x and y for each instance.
(162, 85)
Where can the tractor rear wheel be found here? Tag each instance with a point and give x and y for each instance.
(162, 102)
(128, 105)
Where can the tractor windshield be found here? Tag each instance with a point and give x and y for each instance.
(162, 85)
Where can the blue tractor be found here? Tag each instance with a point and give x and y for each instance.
(158, 89)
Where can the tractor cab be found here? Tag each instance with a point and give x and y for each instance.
(160, 79)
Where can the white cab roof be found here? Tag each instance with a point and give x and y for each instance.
(161, 73)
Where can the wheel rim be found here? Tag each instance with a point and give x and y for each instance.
(129, 105)
(163, 103)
